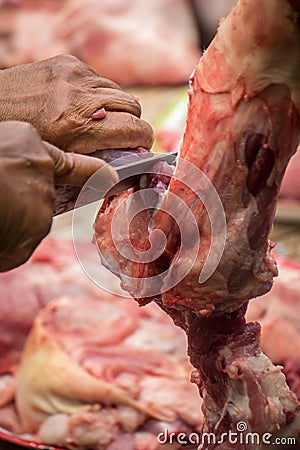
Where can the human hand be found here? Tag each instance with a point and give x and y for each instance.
(29, 170)
(60, 97)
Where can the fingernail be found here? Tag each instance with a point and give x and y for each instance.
(99, 114)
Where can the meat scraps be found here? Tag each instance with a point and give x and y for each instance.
(242, 128)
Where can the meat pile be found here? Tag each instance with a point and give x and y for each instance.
(153, 42)
(101, 340)
(24, 291)
(243, 126)
(105, 368)
(97, 372)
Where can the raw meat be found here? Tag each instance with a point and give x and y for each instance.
(101, 365)
(98, 338)
(292, 372)
(239, 124)
(53, 269)
(278, 313)
(152, 42)
(242, 128)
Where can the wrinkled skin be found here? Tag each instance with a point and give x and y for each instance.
(59, 95)
(29, 169)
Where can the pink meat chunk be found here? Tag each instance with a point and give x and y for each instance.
(27, 289)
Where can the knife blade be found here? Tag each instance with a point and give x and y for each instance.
(130, 169)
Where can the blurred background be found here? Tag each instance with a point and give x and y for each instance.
(134, 42)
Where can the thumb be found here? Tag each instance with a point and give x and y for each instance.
(74, 169)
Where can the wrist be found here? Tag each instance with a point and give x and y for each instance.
(21, 93)
(3, 95)
(8, 98)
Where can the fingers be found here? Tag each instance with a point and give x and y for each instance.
(74, 169)
(109, 99)
(115, 130)
(95, 81)
(106, 93)
(115, 100)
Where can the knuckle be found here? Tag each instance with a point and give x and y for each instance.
(145, 132)
(65, 59)
(64, 67)
(106, 82)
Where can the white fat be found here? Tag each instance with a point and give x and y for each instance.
(54, 429)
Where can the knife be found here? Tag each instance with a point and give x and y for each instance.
(129, 168)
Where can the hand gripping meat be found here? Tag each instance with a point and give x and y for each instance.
(242, 128)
